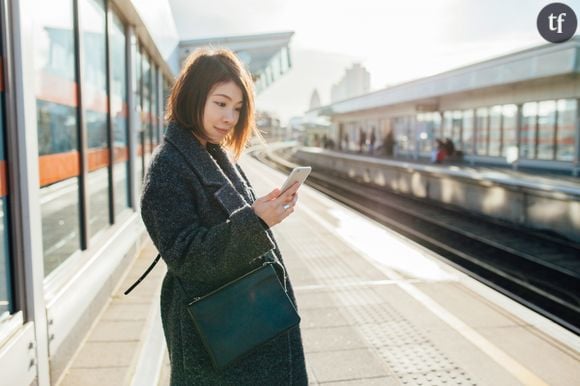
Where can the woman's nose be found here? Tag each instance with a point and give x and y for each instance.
(229, 116)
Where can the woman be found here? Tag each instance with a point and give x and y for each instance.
(202, 215)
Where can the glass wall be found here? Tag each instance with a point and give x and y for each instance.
(468, 133)
(546, 129)
(58, 150)
(154, 106)
(94, 91)
(117, 42)
(509, 130)
(139, 127)
(494, 136)
(549, 130)
(403, 143)
(452, 121)
(481, 130)
(146, 90)
(428, 125)
(6, 301)
(566, 129)
(529, 130)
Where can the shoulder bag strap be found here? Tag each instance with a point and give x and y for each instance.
(143, 276)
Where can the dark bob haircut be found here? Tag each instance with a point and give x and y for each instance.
(203, 70)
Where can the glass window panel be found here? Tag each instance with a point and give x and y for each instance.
(400, 125)
(546, 129)
(468, 132)
(6, 299)
(447, 124)
(411, 133)
(146, 108)
(528, 130)
(457, 118)
(565, 140)
(510, 130)
(481, 130)
(427, 125)
(56, 99)
(94, 90)
(154, 108)
(138, 70)
(119, 114)
(495, 131)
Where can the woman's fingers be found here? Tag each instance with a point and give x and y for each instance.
(270, 196)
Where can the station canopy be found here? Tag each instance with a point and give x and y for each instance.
(266, 56)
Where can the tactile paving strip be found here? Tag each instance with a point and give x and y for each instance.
(407, 352)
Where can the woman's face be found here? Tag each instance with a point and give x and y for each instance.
(222, 110)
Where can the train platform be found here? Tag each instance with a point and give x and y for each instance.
(551, 180)
(376, 308)
(539, 202)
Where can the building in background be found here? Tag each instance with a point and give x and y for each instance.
(356, 81)
(518, 110)
(314, 100)
(269, 125)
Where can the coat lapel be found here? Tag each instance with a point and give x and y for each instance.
(212, 166)
(231, 171)
(196, 155)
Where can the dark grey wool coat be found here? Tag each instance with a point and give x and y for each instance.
(196, 207)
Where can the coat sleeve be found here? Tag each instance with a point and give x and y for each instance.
(191, 250)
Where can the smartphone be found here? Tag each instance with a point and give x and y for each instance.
(298, 174)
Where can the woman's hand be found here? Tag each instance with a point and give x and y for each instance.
(275, 207)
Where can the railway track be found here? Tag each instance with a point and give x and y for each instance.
(538, 270)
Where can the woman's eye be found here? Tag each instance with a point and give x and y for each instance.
(221, 104)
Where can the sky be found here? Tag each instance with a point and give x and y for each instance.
(396, 41)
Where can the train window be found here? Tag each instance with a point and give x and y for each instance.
(481, 130)
(117, 42)
(146, 106)
(58, 151)
(509, 131)
(138, 70)
(154, 107)
(566, 129)
(546, 129)
(5, 261)
(528, 130)
(94, 55)
(494, 148)
(468, 135)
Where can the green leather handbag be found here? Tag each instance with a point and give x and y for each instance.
(242, 315)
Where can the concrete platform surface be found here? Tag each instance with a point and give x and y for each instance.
(376, 309)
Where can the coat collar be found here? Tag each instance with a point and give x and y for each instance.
(197, 156)
(211, 165)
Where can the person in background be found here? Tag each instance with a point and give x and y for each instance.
(439, 153)
(362, 140)
(200, 210)
(389, 144)
(372, 141)
(449, 148)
